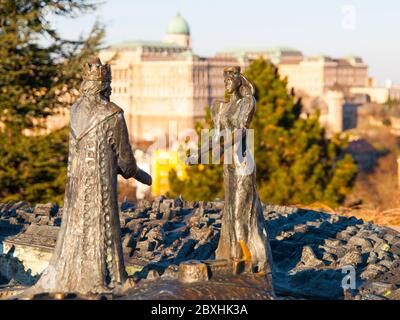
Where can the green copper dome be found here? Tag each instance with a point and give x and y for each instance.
(178, 25)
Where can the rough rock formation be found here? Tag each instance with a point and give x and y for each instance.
(16, 216)
(34, 247)
(13, 274)
(312, 251)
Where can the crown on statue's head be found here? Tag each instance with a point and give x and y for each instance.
(94, 70)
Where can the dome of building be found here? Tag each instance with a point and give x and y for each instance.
(178, 25)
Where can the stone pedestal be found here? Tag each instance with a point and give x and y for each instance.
(192, 271)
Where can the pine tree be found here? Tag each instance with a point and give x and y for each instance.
(34, 169)
(39, 75)
(296, 164)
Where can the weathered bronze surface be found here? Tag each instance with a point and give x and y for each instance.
(243, 234)
(88, 255)
(193, 271)
(219, 287)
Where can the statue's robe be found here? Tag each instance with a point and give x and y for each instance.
(88, 255)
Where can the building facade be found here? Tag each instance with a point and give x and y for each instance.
(315, 76)
(275, 55)
(164, 84)
(379, 95)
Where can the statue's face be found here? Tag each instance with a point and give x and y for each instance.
(232, 83)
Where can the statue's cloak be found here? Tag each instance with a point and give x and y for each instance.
(88, 255)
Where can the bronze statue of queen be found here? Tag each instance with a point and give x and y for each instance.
(244, 235)
(88, 255)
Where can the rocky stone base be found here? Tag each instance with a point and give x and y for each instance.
(316, 255)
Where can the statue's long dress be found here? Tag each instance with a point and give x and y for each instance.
(88, 255)
(243, 224)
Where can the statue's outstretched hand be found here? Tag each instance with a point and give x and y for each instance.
(143, 177)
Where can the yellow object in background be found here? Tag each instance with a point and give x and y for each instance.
(161, 164)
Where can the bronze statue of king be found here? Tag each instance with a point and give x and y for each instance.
(88, 255)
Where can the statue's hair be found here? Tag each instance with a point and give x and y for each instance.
(246, 88)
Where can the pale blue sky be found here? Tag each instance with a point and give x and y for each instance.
(312, 26)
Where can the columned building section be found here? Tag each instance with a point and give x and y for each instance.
(163, 85)
(315, 76)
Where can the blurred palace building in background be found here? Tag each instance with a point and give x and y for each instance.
(164, 83)
(161, 81)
